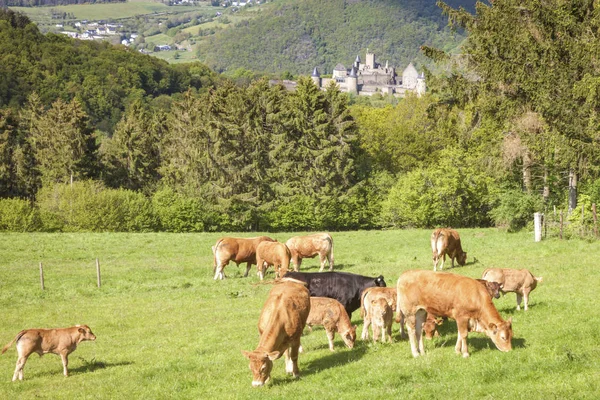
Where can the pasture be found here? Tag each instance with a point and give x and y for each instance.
(165, 329)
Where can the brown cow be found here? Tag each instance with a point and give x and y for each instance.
(522, 282)
(309, 246)
(331, 314)
(446, 241)
(432, 322)
(381, 316)
(453, 296)
(238, 250)
(280, 325)
(62, 341)
(272, 253)
(373, 293)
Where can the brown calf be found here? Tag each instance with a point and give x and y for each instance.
(522, 282)
(309, 246)
(446, 241)
(62, 341)
(272, 253)
(381, 316)
(238, 250)
(331, 314)
(374, 293)
(280, 326)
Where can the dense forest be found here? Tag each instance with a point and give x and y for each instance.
(101, 138)
(37, 3)
(296, 36)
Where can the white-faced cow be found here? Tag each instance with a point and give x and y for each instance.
(62, 341)
(374, 293)
(454, 296)
(309, 246)
(272, 253)
(381, 317)
(522, 282)
(330, 314)
(445, 241)
(342, 286)
(280, 325)
(238, 250)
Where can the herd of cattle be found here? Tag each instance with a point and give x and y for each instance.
(421, 300)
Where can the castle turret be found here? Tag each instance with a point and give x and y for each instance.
(421, 87)
(352, 82)
(370, 61)
(316, 77)
(409, 77)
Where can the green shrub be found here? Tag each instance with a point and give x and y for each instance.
(176, 212)
(90, 207)
(297, 213)
(515, 209)
(17, 215)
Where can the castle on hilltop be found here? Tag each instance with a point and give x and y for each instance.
(370, 77)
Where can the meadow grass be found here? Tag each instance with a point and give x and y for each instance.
(165, 329)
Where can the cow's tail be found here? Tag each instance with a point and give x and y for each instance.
(363, 309)
(330, 252)
(398, 311)
(12, 341)
(434, 243)
(215, 249)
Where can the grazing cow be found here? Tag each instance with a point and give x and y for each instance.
(280, 325)
(453, 296)
(446, 241)
(342, 286)
(373, 293)
(432, 322)
(309, 246)
(62, 341)
(272, 253)
(381, 316)
(238, 250)
(522, 282)
(331, 315)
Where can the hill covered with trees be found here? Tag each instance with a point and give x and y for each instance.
(298, 35)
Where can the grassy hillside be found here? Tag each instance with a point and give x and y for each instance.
(166, 329)
(298, 35)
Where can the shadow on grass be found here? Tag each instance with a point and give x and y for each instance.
(93, 365)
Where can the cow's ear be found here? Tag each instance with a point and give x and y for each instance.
(274, 355)
(509, 320)
(493, 328)
(539, 279)
(246, 354)
(81, 330)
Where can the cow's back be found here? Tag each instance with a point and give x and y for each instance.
(239, 250)
(286, 308)
(310, 245)
(510, 280)
(440, 293)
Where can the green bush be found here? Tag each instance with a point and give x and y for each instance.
(297, 213)
(88, 206)
(17, 215)
(176, 212)
(515, 209)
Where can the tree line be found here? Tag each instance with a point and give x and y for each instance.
(484, 147)
(41, 3)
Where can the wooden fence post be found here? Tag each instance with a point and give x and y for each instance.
(42, 276)
(595, 220)
(561, 225)
(537, 226)
(98, 271)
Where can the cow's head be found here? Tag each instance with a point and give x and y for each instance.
(379, 281)
(430, 328)
(493, 289)
(462, 258)
(85, 333)
(261, 364)
(501, 334)
(350, 336)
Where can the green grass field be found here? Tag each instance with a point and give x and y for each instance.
(166, 330)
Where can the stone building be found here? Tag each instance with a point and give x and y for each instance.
(370, 77)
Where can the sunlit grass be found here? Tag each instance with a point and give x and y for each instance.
(166, 329)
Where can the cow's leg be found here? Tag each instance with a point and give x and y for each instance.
(519, 297)
(443, 257)
(291, 360)
(219, 274)
(410, 326)
(389, 333)
(330, 336)
(403, 334)
(19, 368)
(322, 258)
(330, 259)
(461, 343)
(297, 263)
(365, 332)
(248, 267)
(435, 260)
(526, 298)
(420, 317)
(64, 357)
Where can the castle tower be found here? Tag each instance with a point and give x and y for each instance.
(421, 87)
(370, 60)
(352, 82)
(409, 77)
(357, 63)
(316, 77)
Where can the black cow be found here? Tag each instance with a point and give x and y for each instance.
(342, 286)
